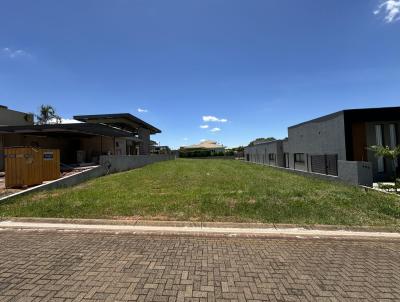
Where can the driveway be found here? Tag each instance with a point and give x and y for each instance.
(90, 266)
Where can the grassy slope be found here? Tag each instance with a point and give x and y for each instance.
(213, 190)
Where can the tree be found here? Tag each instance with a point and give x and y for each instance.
(387, 152)
(238, 149)
(262, 139)
(47, 114)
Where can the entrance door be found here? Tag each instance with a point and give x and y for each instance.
(359, 138)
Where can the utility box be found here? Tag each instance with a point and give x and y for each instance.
(50, 164)
(23, 167)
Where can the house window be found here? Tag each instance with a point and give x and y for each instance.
(271, 156)
(299, 157)
(379, 142)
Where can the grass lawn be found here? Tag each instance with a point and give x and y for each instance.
(213, 190)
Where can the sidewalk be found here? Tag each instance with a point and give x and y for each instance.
(93, 265)
(196, 228)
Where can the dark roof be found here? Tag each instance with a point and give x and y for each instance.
(123, 120)
(360, 115)
(265, 142)
(78, 128)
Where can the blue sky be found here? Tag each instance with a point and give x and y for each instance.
(252, 68)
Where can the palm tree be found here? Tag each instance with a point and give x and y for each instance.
(391, 154)
(47, 114)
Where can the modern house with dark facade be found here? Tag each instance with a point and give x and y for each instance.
(337, 144)
(84, 142)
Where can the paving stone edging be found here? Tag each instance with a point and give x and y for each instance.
(187, 224)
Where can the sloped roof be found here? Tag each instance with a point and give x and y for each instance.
(77, 128)
(208, 144)
(121, 120)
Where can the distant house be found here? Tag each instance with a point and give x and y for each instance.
(10, 117)
(85, 142)
(160, 150)
(207, 145)
(336, 145)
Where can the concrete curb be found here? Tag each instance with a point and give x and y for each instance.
(193, 228)
(63, 182)
(138, 221)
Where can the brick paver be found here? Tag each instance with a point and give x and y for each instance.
(61, 266)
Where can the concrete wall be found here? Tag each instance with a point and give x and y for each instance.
(308, 174)
(68, 181)
(350, 172)
(144, 135)
(317, 138)
(260, 153)
(14, 118)
(355, 172)
(285, 145)
(109, 164)
(116, 163)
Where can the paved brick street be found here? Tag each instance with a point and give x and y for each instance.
(72, 266)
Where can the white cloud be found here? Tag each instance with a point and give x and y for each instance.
(204, 126)
(391, 10)
(13, 54)
(142, 110)
(210, 118)
(185, 139)
(202, 140)
(65, 121)
(216, 129)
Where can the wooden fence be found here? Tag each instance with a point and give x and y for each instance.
(25, 166)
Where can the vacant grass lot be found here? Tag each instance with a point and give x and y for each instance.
(213, 190)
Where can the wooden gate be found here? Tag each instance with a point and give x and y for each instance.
(23, 167)
(51, 164)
